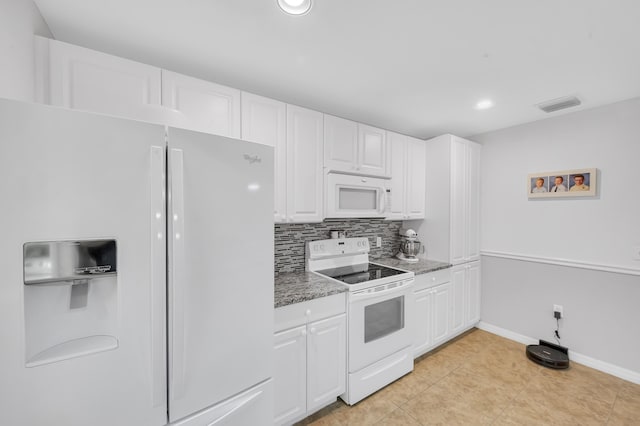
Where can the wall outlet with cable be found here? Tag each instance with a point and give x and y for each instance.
(557, 311)
(557, 314)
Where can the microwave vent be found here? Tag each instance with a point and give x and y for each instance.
(559, 104)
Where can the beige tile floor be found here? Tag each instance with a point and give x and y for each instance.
(483, 379)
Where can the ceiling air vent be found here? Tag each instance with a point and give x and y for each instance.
(558, 104)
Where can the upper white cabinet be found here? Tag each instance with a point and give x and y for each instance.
(78, 78)
(264, 121)
(407, 159)
(201, 105)
(304, 192)
(355, 148)
(340, 144)
(372, 150)
(452, 200)
(297, 135)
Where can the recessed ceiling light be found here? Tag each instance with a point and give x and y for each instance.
(484, 104)
(295, 7)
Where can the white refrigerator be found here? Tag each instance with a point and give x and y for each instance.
(136, 273)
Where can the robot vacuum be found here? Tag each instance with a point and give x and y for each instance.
(549, 355)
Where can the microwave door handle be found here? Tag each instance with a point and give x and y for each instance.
(382, 201)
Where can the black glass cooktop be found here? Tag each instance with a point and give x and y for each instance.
(356, 274)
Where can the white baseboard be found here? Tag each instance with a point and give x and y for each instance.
(596, 364)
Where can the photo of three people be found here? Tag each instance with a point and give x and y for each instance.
(568, 183)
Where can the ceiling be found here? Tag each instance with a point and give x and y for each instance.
(413, 66)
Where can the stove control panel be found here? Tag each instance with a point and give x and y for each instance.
(338, 246)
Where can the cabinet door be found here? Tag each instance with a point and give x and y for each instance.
(472, 283)
(398, 159)
(304, 165)
(201, 105)
(340, 144)
(416, 178)
(441, 313)
(458, 286)
(264, 121)
(458, 204)
(87, 80)
(422, 322)
(372, 143)
(473, 199)
(290, 375)
(326, 358)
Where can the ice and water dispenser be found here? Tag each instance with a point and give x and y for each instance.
(70, 299)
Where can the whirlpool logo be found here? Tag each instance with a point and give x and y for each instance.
(252, 158)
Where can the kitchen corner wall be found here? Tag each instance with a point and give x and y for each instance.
(291, 239)
(596, 281)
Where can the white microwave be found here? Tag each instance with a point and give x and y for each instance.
(355, 196)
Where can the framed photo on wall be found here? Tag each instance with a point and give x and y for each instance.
(563, 183)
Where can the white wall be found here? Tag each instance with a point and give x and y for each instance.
(601, 230)
(602, 310)
(19, 21)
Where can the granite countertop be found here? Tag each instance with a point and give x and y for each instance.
(422, 266)
(295, 287)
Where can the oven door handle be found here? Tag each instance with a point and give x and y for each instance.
(363, 295)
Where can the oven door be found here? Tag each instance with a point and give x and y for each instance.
(355, 196)
(378, 323)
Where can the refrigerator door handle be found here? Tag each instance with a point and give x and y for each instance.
(176, 273)
(158, 277)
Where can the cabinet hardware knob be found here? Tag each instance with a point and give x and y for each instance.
(308, 312)
(303, 332)
(313, 330)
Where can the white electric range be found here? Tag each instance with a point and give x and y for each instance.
(379, 331)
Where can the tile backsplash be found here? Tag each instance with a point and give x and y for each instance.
(291, 238)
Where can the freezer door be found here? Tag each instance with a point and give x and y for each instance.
(90, 350)
(220, 269)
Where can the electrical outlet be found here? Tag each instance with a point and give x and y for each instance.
(635, 253)
(378, 241)
(558, 308)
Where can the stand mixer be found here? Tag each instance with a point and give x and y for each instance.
(409, 245)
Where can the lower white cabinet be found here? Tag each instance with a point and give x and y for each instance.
(310, 358)
(472, 294)
(431, 318)
(326, 361)
(446, 303)
(290, 374)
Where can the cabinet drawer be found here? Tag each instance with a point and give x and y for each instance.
(312, 310)
(432, 279)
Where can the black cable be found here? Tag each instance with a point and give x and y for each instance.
(557, 332)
